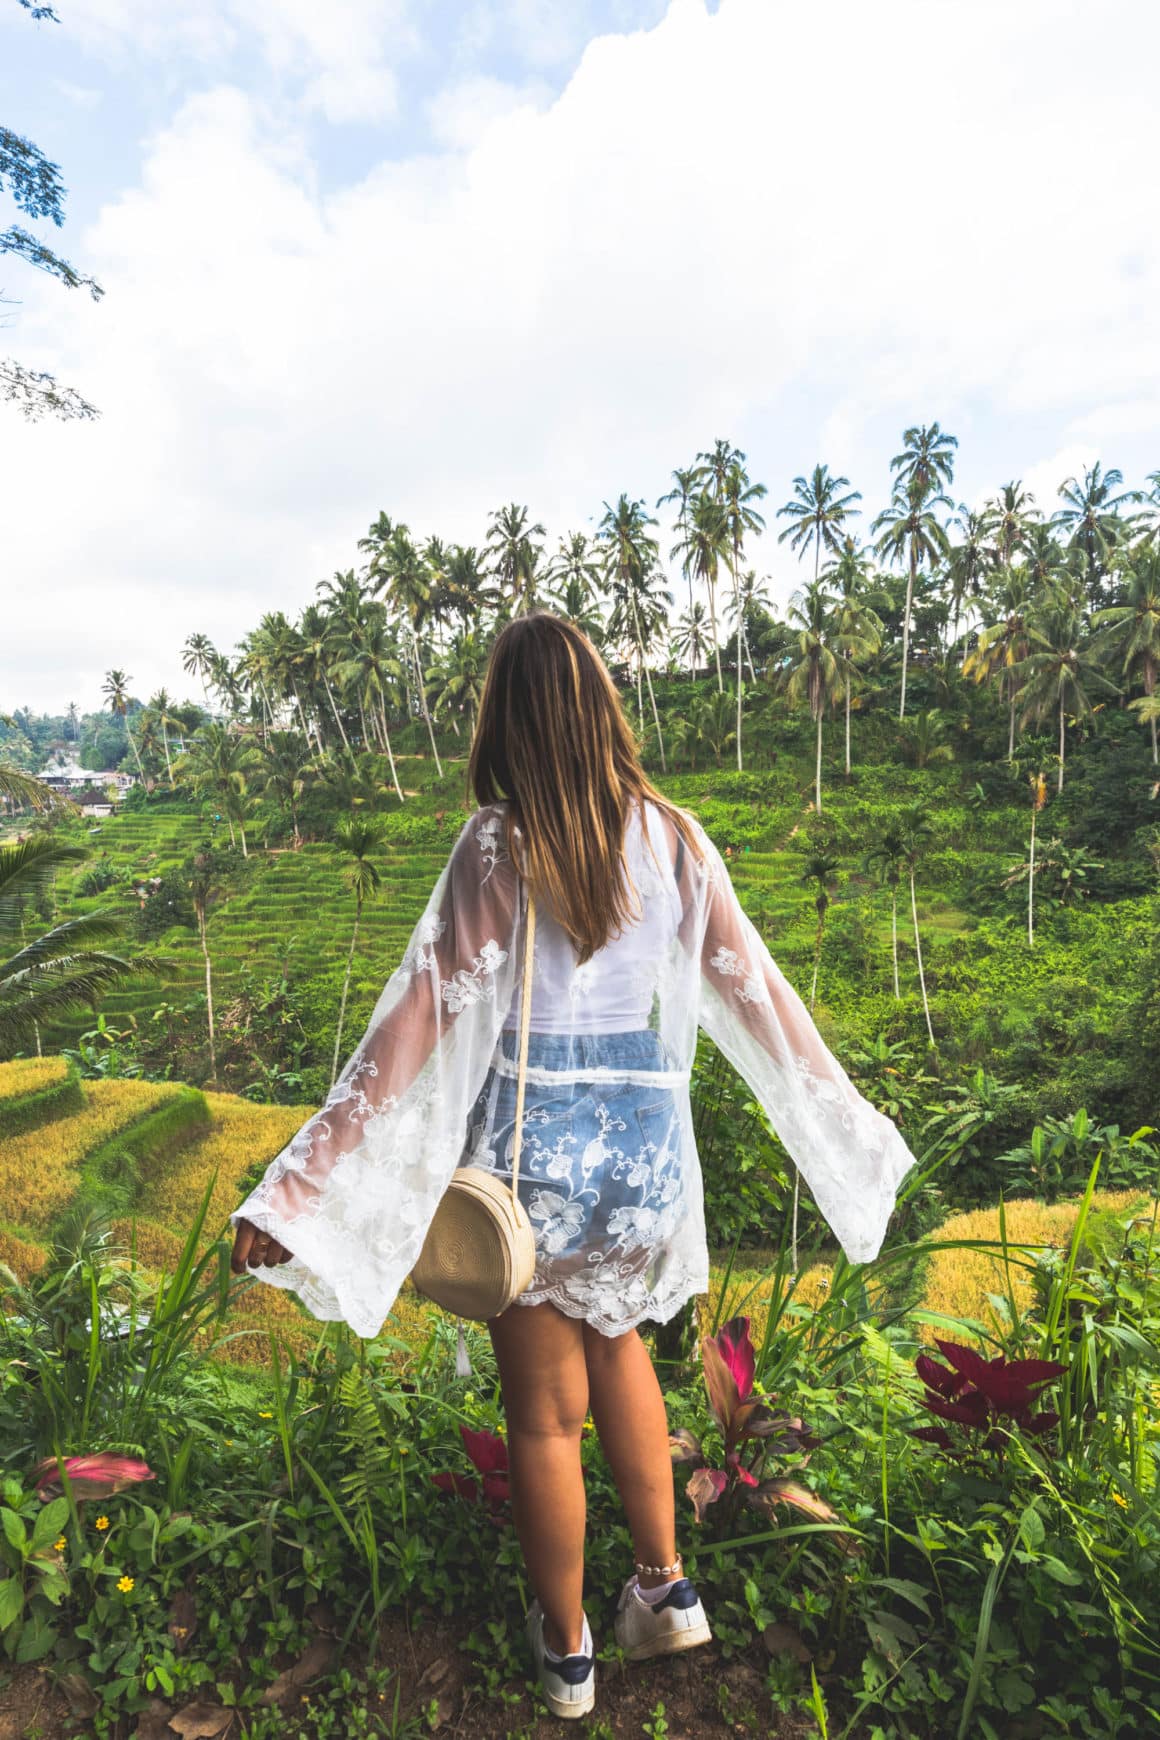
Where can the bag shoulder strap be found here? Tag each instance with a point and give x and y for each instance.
(525, 1012)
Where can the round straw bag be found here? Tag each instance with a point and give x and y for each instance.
(480, 1253)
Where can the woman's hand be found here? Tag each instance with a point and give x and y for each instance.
(256, 1250)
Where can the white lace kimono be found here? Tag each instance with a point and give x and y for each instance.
(353, 1192)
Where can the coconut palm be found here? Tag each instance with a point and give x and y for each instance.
(969, 561)
(467, 585)
(574, 570)
(915, 831)
(927, 461)
(886, 858)
(630, 564)
(1148, 521)
(1004, 644)
(459, 678)
(197, 658)
(1059, 669)
(515, 550)
(738, 497)
(857, 628)
(681, 495)
(717, 722)
(373, 667)
(218, 760)
(817, 675)
(1130, 632)
(1091, 517)
(1035, 757)
(286, 772)
(398, 567)
(114, 688)
(703, 546)
(316, 657)
(818, 511)
(59, 970)
(909, 531)
(692, 636)
(355, 838)
(1007, 519)
(161, 706)
(924, 738)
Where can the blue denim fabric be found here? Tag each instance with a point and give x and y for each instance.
(600, 1161)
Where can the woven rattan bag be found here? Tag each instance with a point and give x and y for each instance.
(480, 1253)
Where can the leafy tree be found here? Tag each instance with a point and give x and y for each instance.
(738, 496)
(1059, 668)
(857, 628)
(886, 859)
(910, 531)
(515, 549)
(817, 675)
(37, 190)
(114, 688)
(1130, 632)
(703, 545)
(630, 565)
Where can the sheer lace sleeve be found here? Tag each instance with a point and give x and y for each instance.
(851, 1155)
(353, 1192)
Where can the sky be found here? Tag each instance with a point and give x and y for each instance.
(428, 258)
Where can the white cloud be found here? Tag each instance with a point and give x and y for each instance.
(464, 110)
(724, 216)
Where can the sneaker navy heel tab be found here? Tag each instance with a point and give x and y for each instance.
(572, 1669)
(681, 1596)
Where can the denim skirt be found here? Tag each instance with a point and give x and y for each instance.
(601, 1164)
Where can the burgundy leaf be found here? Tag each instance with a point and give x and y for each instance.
(685, 1449)
(488, 1452)
(967, 1361)
(97, 1476)
(772, 1493)
(743, 1474)
(970, 1410)
(1041, 1423)
(496, 1488)
(934, 1435)
(724, 1396)
(936, 1377)
(736, 1349)
(1011, 1385)
(463, 1484)
(705, 1487)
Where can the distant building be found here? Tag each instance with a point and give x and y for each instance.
(68, 774)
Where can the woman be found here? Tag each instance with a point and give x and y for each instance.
(639, 939)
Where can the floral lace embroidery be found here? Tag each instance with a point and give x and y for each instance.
(489, 833)
(728, 961)
(470, 987)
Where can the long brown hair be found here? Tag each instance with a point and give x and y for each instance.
(552, 738)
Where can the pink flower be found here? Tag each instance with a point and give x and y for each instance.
(96, 1476)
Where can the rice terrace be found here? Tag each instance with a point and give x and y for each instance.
(449, 450)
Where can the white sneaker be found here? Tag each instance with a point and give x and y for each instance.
(568, 1686)
(676, 1622)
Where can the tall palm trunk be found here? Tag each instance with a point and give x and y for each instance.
(918, 953)
(168, 763)
(390, 751)
(345, 989)
(133, 746)
(1062, 742)
(818, 767)
(906, 628)
(847, 719)
(334, 710)
(648, 680)
(894, 937)
(203, 933)
(740, 624)
(1031, 886)
(423, 702)
(716, 643)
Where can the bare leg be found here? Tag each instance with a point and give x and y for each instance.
(540, 1354)
(628, 1411)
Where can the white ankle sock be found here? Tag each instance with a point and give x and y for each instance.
(586, 1647)
(652, 1596)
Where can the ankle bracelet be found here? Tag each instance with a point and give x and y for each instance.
(659, 1570)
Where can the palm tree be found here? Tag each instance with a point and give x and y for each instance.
(717, 723)
(926, 462)
(114, 688)
(285, 773)
(692, 636)
(1131, 631)
(886, 859)
(218, 760)
(1149, 520)
(161, 706)
(356, 838)
(857, 628)
(467, 585)
(1004, 644)
(738, 496)
(459, 677)
(703, 546)
(375, 668)
(819, 512)
(511, 543)
(397, 566)
(1059, 668)
(909, 531)
(682, 493)
(59, 970)
(1091, 516)
(316, 631)
(968, 561)
(1034, 757)
(915, 831)
(574, 567)
(692, 726)
(197, 658)
(817, 674)
(630, 563)
(206, 886)
(1006, 520)
(924, 738)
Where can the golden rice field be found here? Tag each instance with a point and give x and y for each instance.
(958, 1282)
(41, 1167)
(29, 1075)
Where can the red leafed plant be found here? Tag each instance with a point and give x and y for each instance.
(751, 1432)
(490, 1458)
(97, 1476)
(979, 1395)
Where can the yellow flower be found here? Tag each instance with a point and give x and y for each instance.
(265, 1415)
(59, 1546)
(124, 1584)
(1120, 1499)
(102, 1522)
(229, 1443)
